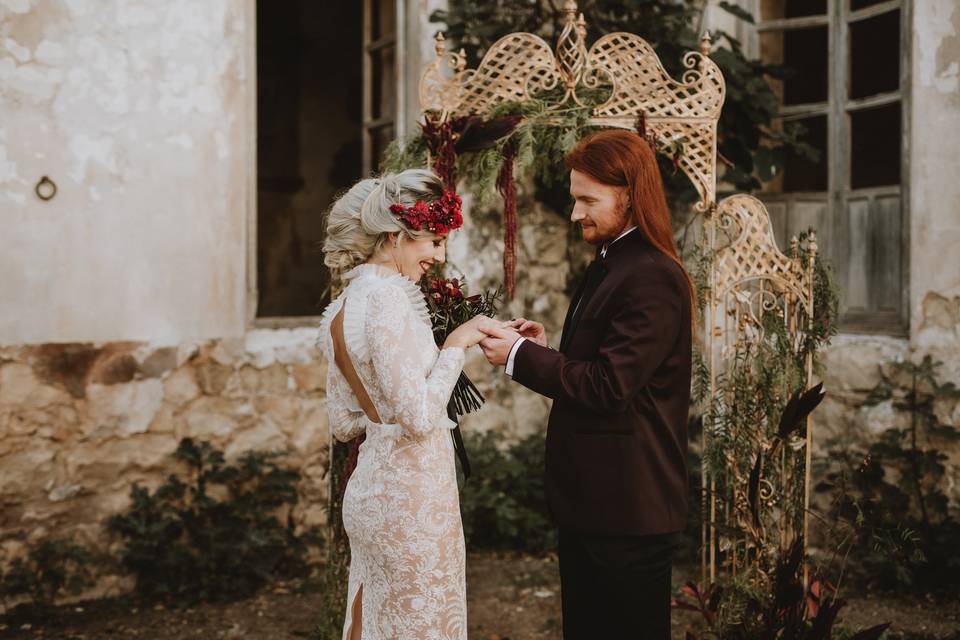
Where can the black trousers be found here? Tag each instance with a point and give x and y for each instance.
(616, 587)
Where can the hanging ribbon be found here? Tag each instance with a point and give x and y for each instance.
(441, 139)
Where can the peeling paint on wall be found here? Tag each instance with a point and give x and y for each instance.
(939, 47)
(16, 6)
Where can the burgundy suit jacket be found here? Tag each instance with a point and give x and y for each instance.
(616, 458)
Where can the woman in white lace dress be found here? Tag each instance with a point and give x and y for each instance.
(387, 378)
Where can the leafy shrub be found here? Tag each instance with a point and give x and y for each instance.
(503, 504)
(184, 543)
(52, 566)
(742, 611)
(904, 532)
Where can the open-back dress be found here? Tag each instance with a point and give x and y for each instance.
(401, 508)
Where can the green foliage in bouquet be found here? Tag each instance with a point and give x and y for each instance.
(890, 499)
(217, 535)
(52, 567)
(451, 306)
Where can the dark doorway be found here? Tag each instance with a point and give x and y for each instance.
(309, 128)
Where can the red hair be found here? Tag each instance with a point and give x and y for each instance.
(622, 158)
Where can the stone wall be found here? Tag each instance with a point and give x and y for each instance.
(80, 423)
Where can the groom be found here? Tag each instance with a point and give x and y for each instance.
(616, 473)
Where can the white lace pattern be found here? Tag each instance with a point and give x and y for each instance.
(401, 509)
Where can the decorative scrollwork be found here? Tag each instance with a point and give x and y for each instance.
(752, 254)
(521, 65)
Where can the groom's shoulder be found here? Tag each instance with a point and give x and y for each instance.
(651, 268)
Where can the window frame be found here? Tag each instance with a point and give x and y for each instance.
(371, 48)
(399, 121)
(836, 228)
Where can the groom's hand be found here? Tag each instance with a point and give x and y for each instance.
(530, 330)
(496, 346)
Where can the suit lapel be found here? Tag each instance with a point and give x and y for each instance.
(632, 243)
(567, 320)
(579, 307)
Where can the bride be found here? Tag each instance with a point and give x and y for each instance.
(387, 378)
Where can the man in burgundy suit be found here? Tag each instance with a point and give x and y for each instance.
(616, 472)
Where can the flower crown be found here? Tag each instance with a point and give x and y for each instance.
(440, 216)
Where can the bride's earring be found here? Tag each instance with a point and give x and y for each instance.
(396, 262)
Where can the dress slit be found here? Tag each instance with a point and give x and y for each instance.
(356, 615)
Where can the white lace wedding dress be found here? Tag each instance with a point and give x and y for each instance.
(401, 508)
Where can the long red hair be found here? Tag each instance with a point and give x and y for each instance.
(622, 158)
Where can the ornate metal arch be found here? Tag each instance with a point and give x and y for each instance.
(521, 65)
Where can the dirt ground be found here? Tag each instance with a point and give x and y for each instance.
(509, 598)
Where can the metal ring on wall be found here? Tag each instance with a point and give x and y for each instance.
(45, 189)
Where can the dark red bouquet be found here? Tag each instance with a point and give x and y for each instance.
(450, 306)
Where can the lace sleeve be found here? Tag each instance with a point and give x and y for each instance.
(418, 403)
(345, 423)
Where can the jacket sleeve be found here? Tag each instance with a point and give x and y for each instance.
(642, 332)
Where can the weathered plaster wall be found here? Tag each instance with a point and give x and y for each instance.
(934, 188)
(137, 111)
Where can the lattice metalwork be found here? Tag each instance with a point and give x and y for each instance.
(754, 288)
(521, 65)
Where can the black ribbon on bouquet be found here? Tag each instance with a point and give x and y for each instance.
(464, 399)
(458, 444)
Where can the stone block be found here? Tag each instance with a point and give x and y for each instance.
(181, 386)
(312, 432)
(211, 376)
(25, 472)
(124, 408)
(159, 362)
(211, 418)
(311, 376)
(263, 436)
(20, 387)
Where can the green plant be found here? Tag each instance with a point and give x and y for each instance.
(743, 611)
(903, 532)
(336, 568)
(503, 504)
(50, 568)
(217, 536)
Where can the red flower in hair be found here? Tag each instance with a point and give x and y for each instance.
(440, 216)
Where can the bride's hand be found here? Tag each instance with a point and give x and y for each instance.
(469, 333)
